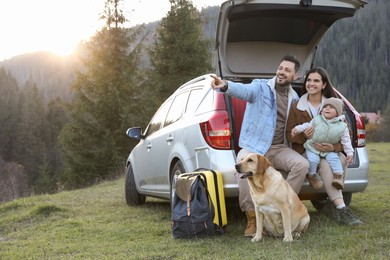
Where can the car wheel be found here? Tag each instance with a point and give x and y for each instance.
(133, 198)
(347, 198)
(176, 171)
(318, 204)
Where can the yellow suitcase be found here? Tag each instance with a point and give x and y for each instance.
(214, 183)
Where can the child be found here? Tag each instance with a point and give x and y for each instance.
(329, 128)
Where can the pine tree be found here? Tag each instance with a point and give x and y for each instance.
(44, 182)
(9, 92)
(105, 102)
(180, 51)
(55, 119)
(29, 132)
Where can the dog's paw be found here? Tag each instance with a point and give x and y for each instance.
(288, 239)
(256, 239)
(297, 234)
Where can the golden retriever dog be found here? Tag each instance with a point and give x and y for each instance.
(278, 209)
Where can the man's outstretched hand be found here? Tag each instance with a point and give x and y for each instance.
(217, 82)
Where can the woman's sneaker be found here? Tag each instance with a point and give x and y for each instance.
(346, 217)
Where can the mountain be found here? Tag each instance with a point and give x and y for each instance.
(53, 74)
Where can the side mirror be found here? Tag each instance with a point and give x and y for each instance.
(134, 132)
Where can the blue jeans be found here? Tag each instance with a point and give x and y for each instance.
(332, 158)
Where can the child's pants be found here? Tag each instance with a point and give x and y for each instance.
(332, 158)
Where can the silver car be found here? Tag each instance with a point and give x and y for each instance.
(199, 128)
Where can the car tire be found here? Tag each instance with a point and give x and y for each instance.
(347, 198)
(177, 169)
(319, 204)
(133, 198)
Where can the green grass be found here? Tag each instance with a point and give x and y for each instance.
(96, 223)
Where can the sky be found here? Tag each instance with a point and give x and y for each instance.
(59, 25)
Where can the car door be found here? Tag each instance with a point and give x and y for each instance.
(252, 36)
(158, 146)
(144, 151)
(162, 148)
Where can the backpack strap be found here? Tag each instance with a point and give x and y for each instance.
(188, 204)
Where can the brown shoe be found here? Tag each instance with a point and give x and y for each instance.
(314, 181)
(250, 230)
(338, 181)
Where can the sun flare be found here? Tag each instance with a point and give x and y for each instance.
(59, 26)
(46, 25)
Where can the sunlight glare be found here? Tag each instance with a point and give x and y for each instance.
(46, 25)
(59, 26)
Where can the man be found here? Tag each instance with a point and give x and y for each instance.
(263, 128)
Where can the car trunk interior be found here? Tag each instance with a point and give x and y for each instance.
(257, 36)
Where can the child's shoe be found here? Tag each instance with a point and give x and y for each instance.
(314, 181)
(338, 181)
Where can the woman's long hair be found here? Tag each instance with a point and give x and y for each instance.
(328, 91)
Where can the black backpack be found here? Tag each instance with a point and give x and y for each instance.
(192, 209)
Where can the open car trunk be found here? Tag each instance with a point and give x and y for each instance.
(253, 36)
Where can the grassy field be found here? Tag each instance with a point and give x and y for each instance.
(96, 223)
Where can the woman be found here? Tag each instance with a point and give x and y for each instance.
(317, 88)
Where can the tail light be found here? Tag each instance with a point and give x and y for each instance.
(360, 131)
(360, 127)
(216, 131)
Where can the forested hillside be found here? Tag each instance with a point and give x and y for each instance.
(53, 74)
(356, 52)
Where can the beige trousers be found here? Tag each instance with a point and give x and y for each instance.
(327, 176)
(283, 159)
